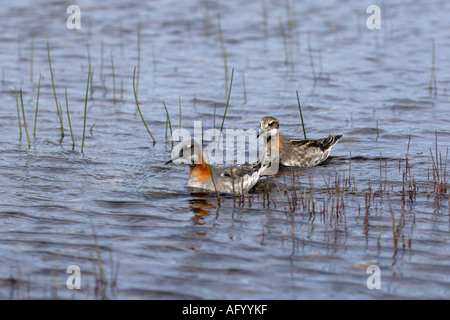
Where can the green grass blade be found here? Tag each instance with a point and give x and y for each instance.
(226, 107)
(37, 105)
(70, 124)
(137, 105)
(301, 116)
(53, 85)
(18, 113)
(25, 120)
(85, 109)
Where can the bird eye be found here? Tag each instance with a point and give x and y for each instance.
(271, 122)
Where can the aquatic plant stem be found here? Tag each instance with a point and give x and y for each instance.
(121, 89)
(301, 116)
(99, 258)
(18, 113)
(224, 54)
(168, 119)
(137, 105)
(70, 124)
(54, 90)
(245, 90)
(25, 120)
(433, 71)
(92, 82)
(213, 181)
(37, 105)
(285, 43)
(226, 107)
(311, 60)
(85, 109)
(114, 77)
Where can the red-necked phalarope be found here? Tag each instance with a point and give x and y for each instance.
(297, 152)
(224, 179)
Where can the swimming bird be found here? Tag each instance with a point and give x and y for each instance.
(296, 152)
(225, 179)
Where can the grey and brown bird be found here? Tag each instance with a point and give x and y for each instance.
(296, 152)
(225, 179)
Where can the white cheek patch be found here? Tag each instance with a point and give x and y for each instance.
(187, 157)
(175, 155)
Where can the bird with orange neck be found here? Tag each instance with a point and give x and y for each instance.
(224, 179)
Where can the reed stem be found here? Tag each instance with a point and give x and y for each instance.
(70, 124)
(60, 115)
(224, 54)
(311, 60)
(85, 109)
(226, 107)
(245, 90)
(54, 90)
(433, 71)
(213, 181)
(25, 120)
(121, 89)
(92, 83)
(137, 105)
(114, 77)
(168, 119)
(301, 116)
(285, 43)
(37, 105)
(18, 113)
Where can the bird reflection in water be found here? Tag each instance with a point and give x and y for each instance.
(202, 206)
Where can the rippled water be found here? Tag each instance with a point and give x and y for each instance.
(128, 220)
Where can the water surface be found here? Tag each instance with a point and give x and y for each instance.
(129, 221)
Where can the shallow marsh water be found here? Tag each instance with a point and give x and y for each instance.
(130, 222)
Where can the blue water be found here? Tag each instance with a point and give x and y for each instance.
(128, 220)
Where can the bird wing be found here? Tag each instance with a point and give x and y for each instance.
(323, 143)
(240, 171)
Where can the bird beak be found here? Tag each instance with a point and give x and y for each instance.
(170, 161)
(259, 133)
